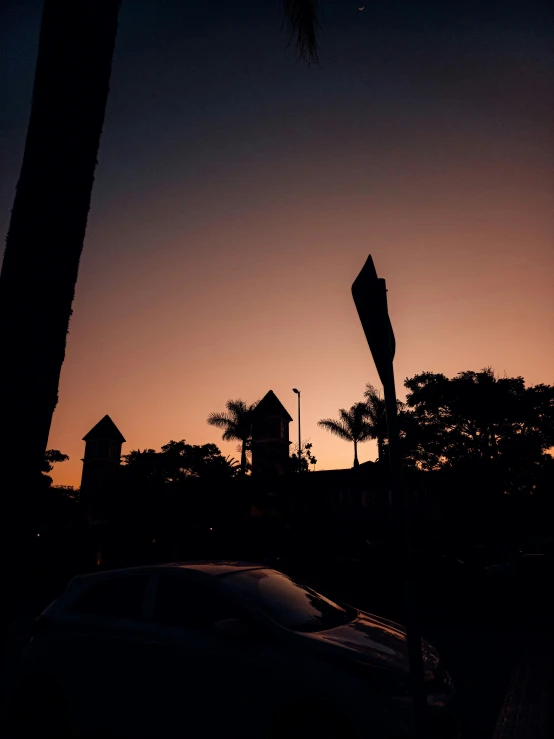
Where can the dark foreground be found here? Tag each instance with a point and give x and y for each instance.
(494, 634)
(484, 636)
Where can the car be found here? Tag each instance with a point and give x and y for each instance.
(210, 649)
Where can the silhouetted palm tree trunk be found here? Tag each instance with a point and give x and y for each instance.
(48, 221)
(380, 449)
(243, 458)
(356, 462)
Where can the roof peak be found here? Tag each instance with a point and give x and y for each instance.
(271, 403)
(104, 429)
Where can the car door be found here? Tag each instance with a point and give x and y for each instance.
(101, 660)
(209, 683)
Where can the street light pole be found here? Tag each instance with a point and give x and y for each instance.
(294, 390)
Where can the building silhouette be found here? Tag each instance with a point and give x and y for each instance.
(102, 455)
(270, 437)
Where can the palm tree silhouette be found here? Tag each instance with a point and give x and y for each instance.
(353, 426)
(49, 216)
(377, 416)
(236, 424)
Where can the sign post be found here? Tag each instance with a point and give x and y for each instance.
(370, 297)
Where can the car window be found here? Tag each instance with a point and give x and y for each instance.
(187, 604)
(290, 604)
(118, 597)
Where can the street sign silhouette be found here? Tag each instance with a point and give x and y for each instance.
(370, 297)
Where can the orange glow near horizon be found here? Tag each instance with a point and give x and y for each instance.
(266, 304)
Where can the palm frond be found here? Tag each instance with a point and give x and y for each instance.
(336, 427)
(221, 420)
(301, 21)
(236, 407)
(227, 423)
(237, 422)
(375, 404)
(365, 432)
(345, 417)
(357, 420)
(376, 410)
(371, 392)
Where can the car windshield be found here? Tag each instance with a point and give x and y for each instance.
(285, 601)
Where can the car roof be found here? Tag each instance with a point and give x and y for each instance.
(218, 567)
(213, 568)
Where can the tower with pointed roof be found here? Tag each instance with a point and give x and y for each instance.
(102, 454)
(270, 437)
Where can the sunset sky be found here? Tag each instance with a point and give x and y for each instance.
(239, 192)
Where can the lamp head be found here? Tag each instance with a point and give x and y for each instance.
(294, 390)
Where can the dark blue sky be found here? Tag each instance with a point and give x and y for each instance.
(201, 75)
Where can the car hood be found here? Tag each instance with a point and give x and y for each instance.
(375, 640)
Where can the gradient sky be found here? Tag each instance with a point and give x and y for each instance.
(238, 193)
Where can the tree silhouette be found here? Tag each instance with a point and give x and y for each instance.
(163, 497)
(48, 220)
(178, 461)
(301, 19)
(49, 216)
(51, 457)
(237, 425)
(306, 457)
(476, 420)
(353, 425)
(377, 416)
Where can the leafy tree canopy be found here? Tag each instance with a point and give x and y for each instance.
(51, 457)
(476, 418)
(307, 457)
(178, 461)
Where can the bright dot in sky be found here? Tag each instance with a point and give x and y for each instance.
(363, 6)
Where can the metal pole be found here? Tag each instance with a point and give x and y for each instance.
(299, 438)
(400, 503)
(370, 296)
